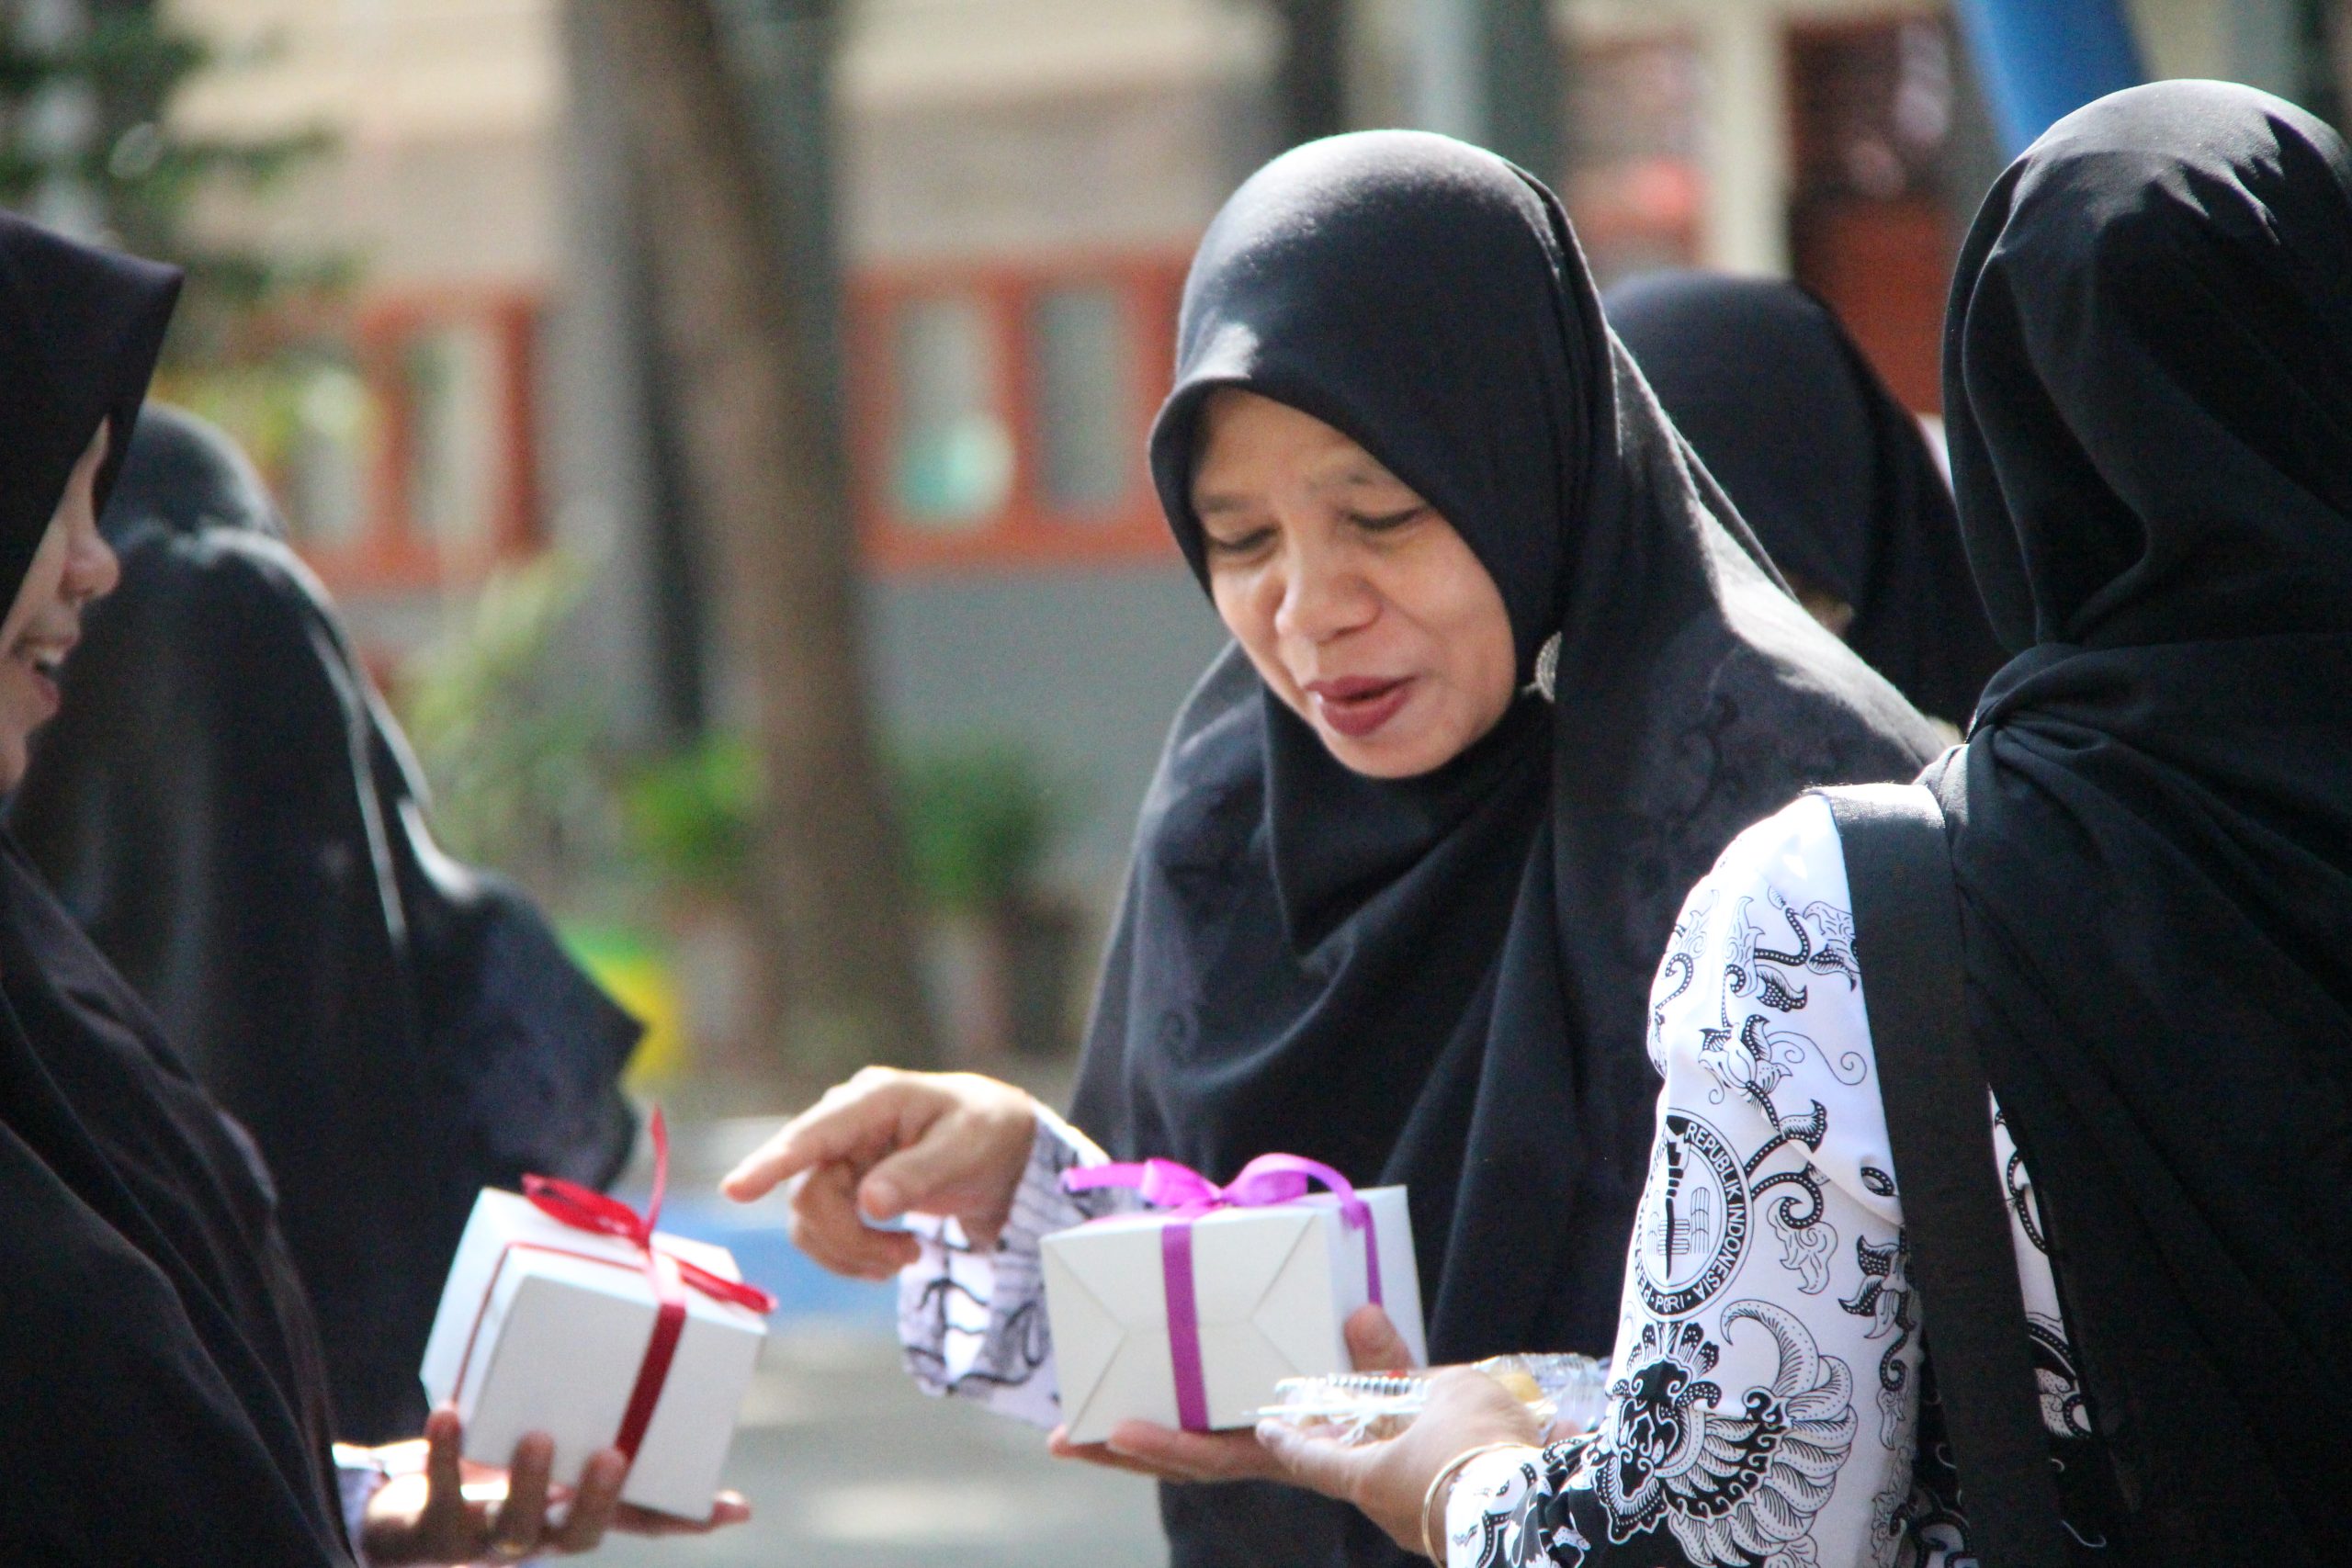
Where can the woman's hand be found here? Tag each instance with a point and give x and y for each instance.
(454, 1512)
(1390, 1481)
(1374, 1346)
(886, 1143)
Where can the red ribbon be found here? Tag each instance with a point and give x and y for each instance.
(584, 1209)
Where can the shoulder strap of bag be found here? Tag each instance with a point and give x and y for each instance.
(1955, 1217)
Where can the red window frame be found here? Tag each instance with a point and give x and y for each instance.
(393, 548)
(1604, 195)
(1027, 530)
(390, 551)
(1882, 264)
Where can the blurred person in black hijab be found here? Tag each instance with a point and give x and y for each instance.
(166, 1400)
(1834, 475)
(1509, 672)
(227, 809)
(2148, 364)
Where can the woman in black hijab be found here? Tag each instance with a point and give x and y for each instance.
(165, 1403)
(2150, 371)
(1432, 969)
(242, 834)
(158, 1348)
(1833, 474)
(2148, 364)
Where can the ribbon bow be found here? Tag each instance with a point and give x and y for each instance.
(584, 1209)
(1265, 1182)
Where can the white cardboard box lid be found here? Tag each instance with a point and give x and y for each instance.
(565, 1361)
(1273, 1287)
(584, 1313)
(502, 1218)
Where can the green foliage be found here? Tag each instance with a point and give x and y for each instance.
(526, 779)
(515, 745)
(85, 126)
(978, 819)
(689, 817)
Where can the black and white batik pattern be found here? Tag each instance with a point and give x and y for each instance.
(971, 1322)
(1766, 1408)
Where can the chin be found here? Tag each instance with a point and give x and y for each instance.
(1378, 759)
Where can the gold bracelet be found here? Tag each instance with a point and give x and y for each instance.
(1432, 1548)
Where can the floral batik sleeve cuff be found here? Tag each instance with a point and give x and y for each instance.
(1492, 1515)
(972, 1321)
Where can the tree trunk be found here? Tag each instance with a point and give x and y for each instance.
(1311, 72)
(767, 487)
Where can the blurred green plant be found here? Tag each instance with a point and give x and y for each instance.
(978, 818)
(514, 743)
(688, 818)
(87, 141)
(524, 776)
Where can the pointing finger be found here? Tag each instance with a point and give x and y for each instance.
(854, 1121)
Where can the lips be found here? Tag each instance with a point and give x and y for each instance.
(45, 657)
(1356, 706)
(42, 659)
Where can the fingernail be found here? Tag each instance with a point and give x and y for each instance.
(882, 1200)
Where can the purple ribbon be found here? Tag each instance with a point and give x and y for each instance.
(1264, 1183)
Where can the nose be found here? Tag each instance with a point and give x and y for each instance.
(92, 568)
(1323, 594)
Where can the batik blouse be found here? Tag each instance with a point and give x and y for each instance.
(1769, 1405)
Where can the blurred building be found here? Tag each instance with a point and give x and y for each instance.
(1020, 185)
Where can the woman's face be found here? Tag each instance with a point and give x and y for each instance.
(73, 565)
(1360, 607)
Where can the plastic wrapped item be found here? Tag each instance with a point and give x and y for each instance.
(1565, 1393)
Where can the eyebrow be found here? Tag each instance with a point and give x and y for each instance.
(1218, 505)
(1356, 471)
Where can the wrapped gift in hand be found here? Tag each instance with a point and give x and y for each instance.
(1188, 1315)
(567, 1313)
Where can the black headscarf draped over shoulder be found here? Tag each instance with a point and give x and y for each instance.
(229, 811)
(1830, 471)
(2148, 373)
(1444, 980)
(163, 1399)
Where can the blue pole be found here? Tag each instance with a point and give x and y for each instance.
(2042, 60)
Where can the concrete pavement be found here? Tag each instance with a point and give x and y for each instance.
(846, 1463)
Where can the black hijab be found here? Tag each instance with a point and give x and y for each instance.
(228, 811)
(1443, 980)
(1833, 474)
(163, 1400)
(2148, 368)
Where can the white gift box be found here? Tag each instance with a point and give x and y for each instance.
(544, 1327)
(1272, 1287)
